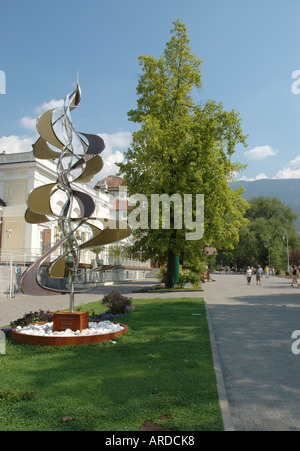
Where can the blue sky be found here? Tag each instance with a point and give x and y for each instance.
(250, 49)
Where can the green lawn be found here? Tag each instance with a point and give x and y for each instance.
(161, 368)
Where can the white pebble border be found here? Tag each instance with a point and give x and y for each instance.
(46, 330)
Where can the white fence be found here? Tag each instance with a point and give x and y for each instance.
(127, 262)
(19, 257)
(13, 265)
(24, 256)
(10, 276)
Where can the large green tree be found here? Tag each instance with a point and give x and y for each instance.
(184, 148)
(264, 240)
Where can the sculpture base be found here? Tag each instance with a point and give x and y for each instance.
(67, 320)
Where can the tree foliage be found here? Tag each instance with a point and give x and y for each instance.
(264, 240)
(183, 147)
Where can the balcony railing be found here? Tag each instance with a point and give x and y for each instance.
(27, 256)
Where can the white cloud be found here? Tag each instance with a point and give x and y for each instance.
(16, 144)
(112, 153)
(115, 143)
(249, 179)
(119, 139)
(260, 152)
(49, 106)
(109, 167)
(287, 173)
(28, 122)
(295, 163)
(291, 171)
(261, 176)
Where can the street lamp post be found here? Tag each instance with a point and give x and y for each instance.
(268, 249)
(8, 234)
(287, 252)
(285, 235)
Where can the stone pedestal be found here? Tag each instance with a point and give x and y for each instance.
(74, 321)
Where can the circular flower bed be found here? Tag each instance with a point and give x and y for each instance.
(37, 327)
(46, 329)
(42, 334)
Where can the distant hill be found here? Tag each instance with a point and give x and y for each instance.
(286, 190)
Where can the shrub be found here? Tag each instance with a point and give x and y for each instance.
(6, 330)
(32, 317)
(117, 303)
(188, 276)
(106, 316)
(162, 274)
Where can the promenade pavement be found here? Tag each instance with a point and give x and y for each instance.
(251, 334)
(15, 307)
(252, 328)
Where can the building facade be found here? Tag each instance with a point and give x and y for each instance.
(22, 243)
(20, 173)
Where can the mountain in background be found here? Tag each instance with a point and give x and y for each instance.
(286, 190)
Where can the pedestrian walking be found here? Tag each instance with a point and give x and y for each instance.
(267, 270)
(273, 272)
(258, 274)
(248, 275)
(295, 276)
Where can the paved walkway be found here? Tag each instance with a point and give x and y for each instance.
(16, 307)
(252, 327)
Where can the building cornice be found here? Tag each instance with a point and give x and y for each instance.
(26, 160)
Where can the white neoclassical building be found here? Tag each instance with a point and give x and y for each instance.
(20, 173)
(21, 243)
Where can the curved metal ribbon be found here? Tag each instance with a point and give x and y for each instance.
(40, 211)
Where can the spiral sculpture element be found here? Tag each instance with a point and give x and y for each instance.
(73, 167)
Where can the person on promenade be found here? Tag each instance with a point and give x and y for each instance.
(273, 272)
(267, 270)
(248, 275)
(258, 274)
(295, 276)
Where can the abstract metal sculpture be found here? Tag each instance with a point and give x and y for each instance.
(70, 161)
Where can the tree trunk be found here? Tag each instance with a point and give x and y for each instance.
(170, 269)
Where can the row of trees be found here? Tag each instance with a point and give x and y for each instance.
(268, 239)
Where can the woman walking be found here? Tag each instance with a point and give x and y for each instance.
(248, 275)
(294, 275)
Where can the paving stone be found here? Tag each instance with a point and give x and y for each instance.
(253, 328)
